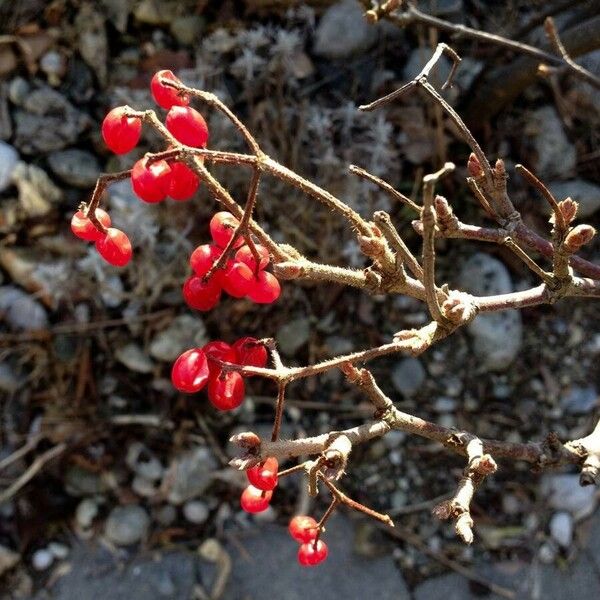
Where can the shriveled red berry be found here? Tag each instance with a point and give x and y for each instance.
(250, 352)
(165, 95)
(244, 254)
(203, 258)
(265, 288)
(201, 295)
(190, 371)
(222, 227)
(226, 390)
(184, 182)
(254, 500)
(151, 182)
(264, 475)
(121, 133)
(311, 553)
(218, 350)
(238, 279)
(188, 126)
(303, 529)
(83, 227)
(114, 247)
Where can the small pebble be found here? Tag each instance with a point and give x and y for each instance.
(195, 511)
(42, 559)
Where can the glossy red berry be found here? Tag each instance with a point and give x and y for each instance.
(264, 475)
(226, 390)
(165, 95)
(254, 500)
(222, 227)
(190, 371)
(201, 295)
(238, 279)
(303, 529)
(244, 254)
(84, 229)
(311, 553)
(188, 126)
(218, 350)
(265, 288)
(203, 258)
(250, 352)
(184, 182)
(121, 133)
(151, 182)
(114, 247)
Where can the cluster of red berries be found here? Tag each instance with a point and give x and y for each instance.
(198, 367)
(242, 276)
(263, 480)
(312, 550)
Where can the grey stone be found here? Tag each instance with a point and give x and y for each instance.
(564, 493)
(408, 376)
(9, 158)
(586, 193)
(187, 29)
(79, 482)
(37, 192)
(59, 551)
(555, 155)
(183, 332)
(166, 515)
(75, 167)
(127, 525)
(21, 311)
(143, 462)
(265, 562)
(195, 511)
(9, 381)
(42, 559)
(343, 31)
(95, 573)
(445, 405)
(86, 512)
(561, 528)
(293, 335)
(190, 474)
(580, 400)
(497, 337)
(133, 357)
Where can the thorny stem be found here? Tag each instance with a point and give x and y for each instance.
(101, 184)
(321, 524)
(278, 412)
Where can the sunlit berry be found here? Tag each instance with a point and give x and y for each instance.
(250, 352)
(222, 227)
(254, 500)
(311, 553)
(218, 350)
(151, 182)
(201, 295)
(264, 475)
(226, 390)
(303, 529)
(121, 133)
(183, 183)
(265, 288)
(188, 126)
(165, 95)
(190, 371)
(203, 258)
(83, 227)
(114, 247)
(245, 255)
(238, 279)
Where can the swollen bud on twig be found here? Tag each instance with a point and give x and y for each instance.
(500, 168)
(474, 166)
(579, 236)
(568, 208)
(444, 214)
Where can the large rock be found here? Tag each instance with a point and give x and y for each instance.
(75, 167)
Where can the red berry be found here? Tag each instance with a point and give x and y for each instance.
(222, 227)
(164, 95)
(312, 553)
(121, 133)
(114, 247)
(238, 279)
(264, 475)
(226, 390)
(184, 182)
(203, 258)
(303, 529)
(265, 288)
(250, 352)
(151, 181)
(221, 351)
(190, 371)
(188, 126)
(244, 254)
(201, 295)
(83, 227)
(254, 500)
